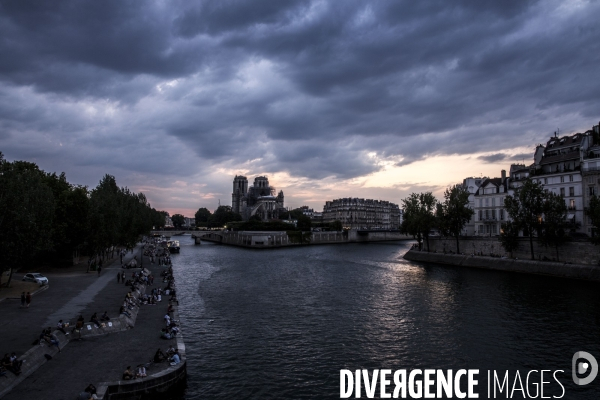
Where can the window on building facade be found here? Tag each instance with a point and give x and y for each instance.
(572, 204)
(562, 179)
(592, 190)
(487, 214)
(562, 192)
(487, 202)
(501, 214)
(571, 191)
(494, 228)
(494, 202)
(545, 181)
(570, 178)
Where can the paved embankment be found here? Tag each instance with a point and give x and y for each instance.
(572, 271)
(100, 356)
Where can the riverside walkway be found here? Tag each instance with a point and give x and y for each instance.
(95, 358)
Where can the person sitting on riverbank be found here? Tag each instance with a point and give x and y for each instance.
(60, 326)
(141, 371)
(173, 329)
(105, 317)
(164, 334)
(127, 374)
(16, 363)
(123, 311)
(175, 358)
(159, 356)
(170, 351)
(127, 304)
(51, 339)
(8, 365)
(91, 392)
(94, 319)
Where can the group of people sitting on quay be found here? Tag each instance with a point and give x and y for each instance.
(10, 363)
(171, 329)
(172, 356)
(49, 338)
(88, 393)
(137, 278)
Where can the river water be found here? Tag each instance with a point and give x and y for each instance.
(282, 323)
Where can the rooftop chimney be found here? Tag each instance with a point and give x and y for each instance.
(503, 174)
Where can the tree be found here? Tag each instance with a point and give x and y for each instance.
(178, 220)
(336, 225)
(454, 213)
(159, 218)
(554, 224)
(593, 211)
(418, 216)
(26, 214)
(304, 223)
(202, 216)
(525, 208)
(509, 236)
(223, 215)
(105, 215)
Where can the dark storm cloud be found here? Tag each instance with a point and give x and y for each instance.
(492, 158)
(314, 88)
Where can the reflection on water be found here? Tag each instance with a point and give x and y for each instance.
(282, 323)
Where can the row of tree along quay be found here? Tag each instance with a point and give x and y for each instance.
(45, 220)
(533, 212)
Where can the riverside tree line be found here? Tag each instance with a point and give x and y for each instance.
(44, 218)
(533, 212)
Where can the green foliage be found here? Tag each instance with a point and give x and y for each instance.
(593, 211)
(178, 220)
(291, 214)
(304, 223)
(158, 218)
(418, 216)
(26, 214)
(43, 215)
(525, 208)
(336, 225)
(202, 216)
(509, 236)
(454, 213)
(223, 215)
(554, 226)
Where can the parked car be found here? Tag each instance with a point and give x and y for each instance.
(37, 278)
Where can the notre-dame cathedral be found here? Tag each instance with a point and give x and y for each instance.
(259, 199)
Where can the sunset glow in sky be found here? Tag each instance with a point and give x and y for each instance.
(328, 99)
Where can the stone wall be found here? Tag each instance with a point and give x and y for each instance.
(571, 271)
(575, 251)
(154, 385)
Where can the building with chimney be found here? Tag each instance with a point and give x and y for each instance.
(355, 213)
(557, 166)
(489, 205)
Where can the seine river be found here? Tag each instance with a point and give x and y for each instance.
(282, 323)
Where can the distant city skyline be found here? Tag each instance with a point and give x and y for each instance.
(328, 99)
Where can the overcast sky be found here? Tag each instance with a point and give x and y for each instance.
(329, 99)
